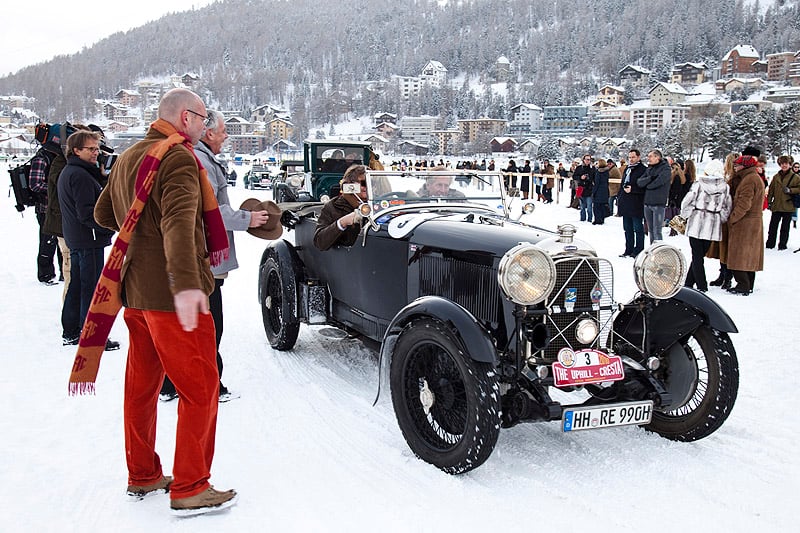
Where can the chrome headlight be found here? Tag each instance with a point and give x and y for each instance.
(660, 270)
(526, 274)
(295, 181)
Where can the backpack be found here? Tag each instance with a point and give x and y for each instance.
(20, 182)
(56, 135)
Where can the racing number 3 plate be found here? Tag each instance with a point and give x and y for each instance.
(596, 417)
(586, 366)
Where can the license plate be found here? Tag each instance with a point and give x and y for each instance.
(586, 366)
(596, 417)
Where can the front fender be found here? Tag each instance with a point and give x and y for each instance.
(472, 338)
(671, 319)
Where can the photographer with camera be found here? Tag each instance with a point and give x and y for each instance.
(339, 223)
(78, 190)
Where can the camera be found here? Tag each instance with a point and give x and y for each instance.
(106, 158)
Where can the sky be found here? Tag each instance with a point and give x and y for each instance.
(308, 452)
(60, 27)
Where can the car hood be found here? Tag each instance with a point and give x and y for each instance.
(454, 234)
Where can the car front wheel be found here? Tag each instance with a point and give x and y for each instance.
(702, 376)
(281, 323)
(447, 405)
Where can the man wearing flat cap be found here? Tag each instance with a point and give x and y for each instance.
(234, 219)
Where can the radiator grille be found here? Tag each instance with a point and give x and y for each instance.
(473, 286)
(584, 285)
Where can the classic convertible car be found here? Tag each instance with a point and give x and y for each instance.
(481, 316)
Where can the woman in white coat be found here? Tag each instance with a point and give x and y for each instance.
(706, 208)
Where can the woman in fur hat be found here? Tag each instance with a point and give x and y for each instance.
(745, 225)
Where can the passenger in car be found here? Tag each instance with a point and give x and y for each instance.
(339, 222)
(439, 187)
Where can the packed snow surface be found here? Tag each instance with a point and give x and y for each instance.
(307, 451)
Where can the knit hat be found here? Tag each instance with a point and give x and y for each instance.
(714, 168)
(746, 161)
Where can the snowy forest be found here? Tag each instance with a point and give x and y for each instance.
(322, 60)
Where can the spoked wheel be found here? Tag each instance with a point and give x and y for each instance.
(447, 405)
(280, 320)
(702, 375)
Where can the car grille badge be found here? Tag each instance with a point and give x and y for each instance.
(570, 298)
(597, 293)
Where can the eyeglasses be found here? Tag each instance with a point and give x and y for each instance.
(206, 118)
(363, 183)
(93, 149)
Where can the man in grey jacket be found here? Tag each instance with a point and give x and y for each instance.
(655, 182)
(235, 220)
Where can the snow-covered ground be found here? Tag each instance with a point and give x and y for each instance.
(307, 451)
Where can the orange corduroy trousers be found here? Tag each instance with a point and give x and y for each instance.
(159, 344)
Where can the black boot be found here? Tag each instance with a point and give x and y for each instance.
(726, 283)
(719, 281)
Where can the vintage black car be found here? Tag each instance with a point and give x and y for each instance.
(324, 163)
(481, 317)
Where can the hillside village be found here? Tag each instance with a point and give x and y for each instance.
(636, 108)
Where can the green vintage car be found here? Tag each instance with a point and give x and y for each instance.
(324, 163)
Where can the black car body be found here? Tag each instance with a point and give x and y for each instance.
(480, 317)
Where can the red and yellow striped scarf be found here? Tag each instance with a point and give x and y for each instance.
(107, 299)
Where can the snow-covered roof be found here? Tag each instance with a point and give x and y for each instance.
(502, 140)
(504, 60)
(744, 50)
(388, 125)
(636, 68)
(436, 65)
(532, 107)
(237, 119)
(384, 114)
(700, 65)
(673, 88)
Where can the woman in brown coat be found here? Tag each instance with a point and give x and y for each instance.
(746, 225)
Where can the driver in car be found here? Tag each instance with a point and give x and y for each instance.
(339, 222)
(439, 187)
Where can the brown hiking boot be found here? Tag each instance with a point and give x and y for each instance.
(208, 501)
(159, 487)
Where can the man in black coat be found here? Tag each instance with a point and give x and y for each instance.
(78, 190)
(630, 205)
(584, 177)
(655, 182)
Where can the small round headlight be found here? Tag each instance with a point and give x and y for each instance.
(659, 271)
(295, 181)
(586, 330)
(528, 208)
(526, 274)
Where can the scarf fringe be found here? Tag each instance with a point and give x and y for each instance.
(81, 388)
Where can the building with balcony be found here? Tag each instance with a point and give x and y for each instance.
(739, 62)
(472, 129)
(525, 119)
(667, 94)
(779, 65)
(651, 119)
(689, 73)
(418, 129)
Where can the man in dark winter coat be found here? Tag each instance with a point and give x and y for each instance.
(78, 190)
(584, 177)
(630, 205)
(40, 168)
(600, 192)
(655, 182)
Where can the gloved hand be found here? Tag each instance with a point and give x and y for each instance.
(786, 190)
